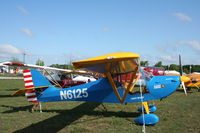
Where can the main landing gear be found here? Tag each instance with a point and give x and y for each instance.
(147, 118)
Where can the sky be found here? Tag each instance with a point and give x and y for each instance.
(60, 31)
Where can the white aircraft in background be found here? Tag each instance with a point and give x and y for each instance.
(172, 72)
(3, 68)
(58, 76)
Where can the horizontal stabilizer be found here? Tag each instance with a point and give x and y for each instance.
(23, 90)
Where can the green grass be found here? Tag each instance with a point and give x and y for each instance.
(10, 75)
(177, 113)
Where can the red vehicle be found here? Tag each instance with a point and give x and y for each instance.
(156, 71)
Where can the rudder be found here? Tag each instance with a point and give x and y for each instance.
(32, 79)
(39, 79)
(28, 82)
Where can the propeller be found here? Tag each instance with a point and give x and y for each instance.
(183, 78)
(180, 66)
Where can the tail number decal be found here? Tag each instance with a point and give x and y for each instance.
(73, 94)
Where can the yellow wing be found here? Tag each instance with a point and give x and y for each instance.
(126, 62)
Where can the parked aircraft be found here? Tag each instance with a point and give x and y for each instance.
(111, 88)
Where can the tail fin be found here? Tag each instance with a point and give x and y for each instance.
(33, 79)
(39, 79)
(28, 81)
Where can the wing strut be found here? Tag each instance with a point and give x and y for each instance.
(112, 82)
(130, 86)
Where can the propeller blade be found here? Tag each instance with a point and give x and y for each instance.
(180, 66)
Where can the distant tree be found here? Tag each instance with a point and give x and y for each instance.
(70, 66)
(174, 67)
(186, 68)
(66, 66)
(55, 65)
(144, 63)
(14, 59)
(195, 68)
(63, 66)
(158, 64)
(166, 67)
(40, 62)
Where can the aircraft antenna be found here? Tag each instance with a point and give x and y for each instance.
(180, 66)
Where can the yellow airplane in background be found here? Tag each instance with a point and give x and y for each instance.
(189, 81)
(194, 81)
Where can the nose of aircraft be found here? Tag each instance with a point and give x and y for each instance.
(184, 79)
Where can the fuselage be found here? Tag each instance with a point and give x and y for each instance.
(101, 91)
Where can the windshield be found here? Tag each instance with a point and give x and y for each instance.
(123, 72)
(146, 75)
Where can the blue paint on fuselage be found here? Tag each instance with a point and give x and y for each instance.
(101, 91)
(97, 91)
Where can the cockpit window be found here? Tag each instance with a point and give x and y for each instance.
(123, 71)
(146, 75)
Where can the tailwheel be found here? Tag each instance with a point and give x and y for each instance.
(152, 108)
(147, 119)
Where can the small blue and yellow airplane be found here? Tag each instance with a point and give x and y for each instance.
(121, 72)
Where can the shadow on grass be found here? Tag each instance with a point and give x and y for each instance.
(2, 96)
(182, 91)
(16, 109)
(66, 117)
(10, 96)
(98, 113)
(15, 89)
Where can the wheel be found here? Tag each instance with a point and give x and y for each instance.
(147, 119)
(152, 108)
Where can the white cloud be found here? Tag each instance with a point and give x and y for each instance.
(189, 49)
(105, 29)
(169, 58)
(174, 59)
(161, 48)
(73, 56)
(167, 48)
(23, 10)
(195, 45)
(7, 50)
(27, 32)
(175, 47)
(183, 17)
(54, 59)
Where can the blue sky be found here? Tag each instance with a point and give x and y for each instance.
(57, 31)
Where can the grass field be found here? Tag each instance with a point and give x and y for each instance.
(177, 113)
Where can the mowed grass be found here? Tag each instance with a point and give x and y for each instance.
(177, 113)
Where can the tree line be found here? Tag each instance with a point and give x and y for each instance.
(40, 62)
(186, 68)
